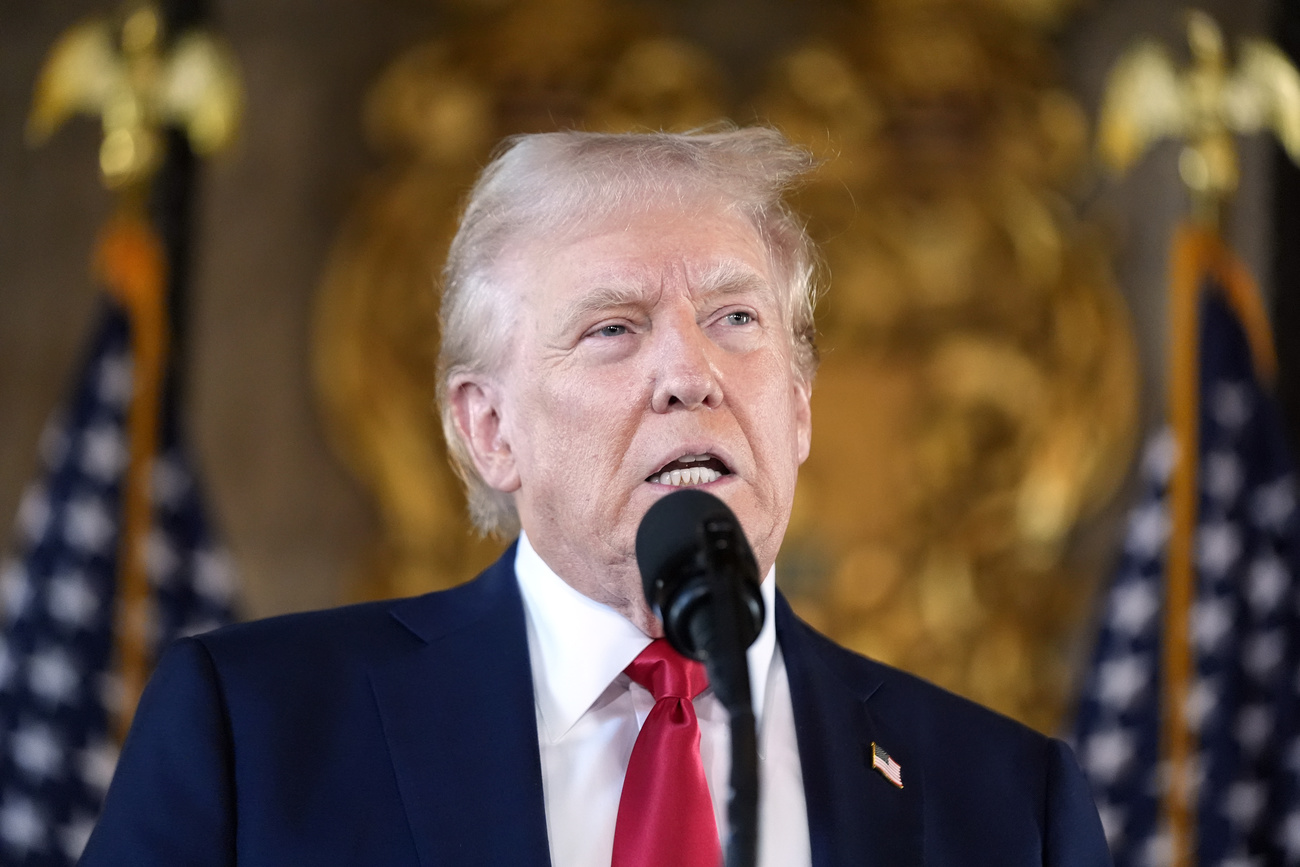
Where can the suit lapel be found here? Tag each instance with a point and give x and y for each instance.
(855, 815)
(459, 718)
(458, 715)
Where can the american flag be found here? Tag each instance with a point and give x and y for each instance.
(881, 761)
(1245, 633)
(57, 687)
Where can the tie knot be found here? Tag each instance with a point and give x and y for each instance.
(666, 673)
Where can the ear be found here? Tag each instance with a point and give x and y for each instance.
(803, 418)
(476, 408)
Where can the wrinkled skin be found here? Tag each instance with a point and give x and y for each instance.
(633, 342)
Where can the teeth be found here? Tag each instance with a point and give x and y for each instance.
(693, 476)
(690, 459)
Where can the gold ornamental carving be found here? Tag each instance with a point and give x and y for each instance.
(977, 402)
(977, 399)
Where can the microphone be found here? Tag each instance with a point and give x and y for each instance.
(701, 579)
(699, 574)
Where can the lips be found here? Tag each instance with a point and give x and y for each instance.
(690, 469)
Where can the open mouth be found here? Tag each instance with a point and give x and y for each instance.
(690, 470)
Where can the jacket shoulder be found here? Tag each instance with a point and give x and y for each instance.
(916, 702)
(361, 634)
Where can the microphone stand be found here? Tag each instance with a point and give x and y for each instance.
(723, 641)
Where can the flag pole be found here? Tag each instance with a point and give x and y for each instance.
(131, 264)
(156, 301)
(171, 211)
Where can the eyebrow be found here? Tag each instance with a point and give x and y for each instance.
(724, 279)
(730, 277)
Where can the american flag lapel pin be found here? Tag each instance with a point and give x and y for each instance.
(883, 762)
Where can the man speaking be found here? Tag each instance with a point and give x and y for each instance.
(623, 316)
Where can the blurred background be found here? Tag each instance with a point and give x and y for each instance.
(993, 336)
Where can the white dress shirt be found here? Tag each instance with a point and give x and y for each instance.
(589, 713)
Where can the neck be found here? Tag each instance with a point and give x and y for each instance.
(615, 583)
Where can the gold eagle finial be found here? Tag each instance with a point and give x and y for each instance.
(116, 68)
(1149, 98)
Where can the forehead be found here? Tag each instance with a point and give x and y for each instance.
(701, 248)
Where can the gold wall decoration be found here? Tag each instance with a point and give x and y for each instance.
(977, 398)
(435, 114)
(978, 395)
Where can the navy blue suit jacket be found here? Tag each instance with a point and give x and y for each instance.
(403, 733)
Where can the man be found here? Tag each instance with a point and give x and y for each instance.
(623, 315)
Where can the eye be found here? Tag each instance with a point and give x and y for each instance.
(740, 317)
(612, 330)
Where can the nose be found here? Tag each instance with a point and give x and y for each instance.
(686, 377)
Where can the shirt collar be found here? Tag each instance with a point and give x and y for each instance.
(578, 646)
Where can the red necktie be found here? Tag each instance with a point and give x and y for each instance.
(665, 816)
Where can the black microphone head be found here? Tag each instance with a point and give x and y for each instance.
(670, 531)
(682, 537)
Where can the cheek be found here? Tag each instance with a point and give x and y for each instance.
(581, 421)
(782, 413)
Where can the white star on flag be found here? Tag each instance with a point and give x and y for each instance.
(1133, 607)
(1158, 851)
(1201, 701)
(90, 527)
(1274, 504)
(1122, 680)
(214, 576)
(1107, 753)
(1230, 404)
(1147, 532)
(15, 590)
(34, 513)
(22, 827)
(170, 483)
(97, 762)
(1267, 583)
(1290, 835)
(37, 750)
(114, 384)
(1254, 726)
(1263, 653)
(161, 559)
(1224, 476)
(1211, 623)
(1218, 548)
(72, 601)
(1243, 802)
(53, 675)
(103, 452)
(1159, 456)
